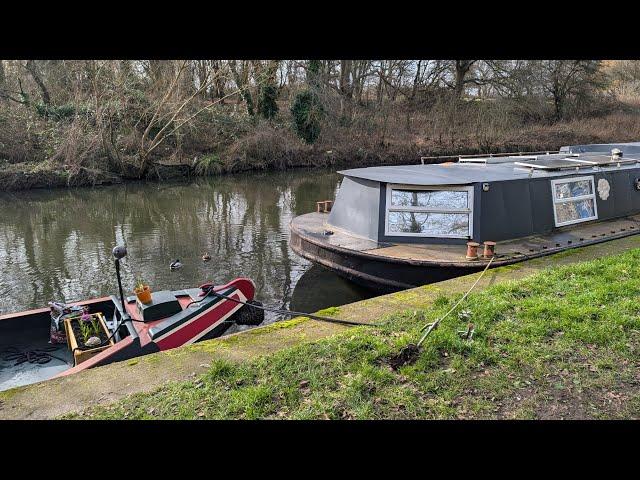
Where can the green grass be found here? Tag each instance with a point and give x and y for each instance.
(559, 344)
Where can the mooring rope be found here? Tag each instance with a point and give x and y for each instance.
(292, 313)
(432, 326)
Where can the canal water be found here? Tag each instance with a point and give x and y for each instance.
(56, 244)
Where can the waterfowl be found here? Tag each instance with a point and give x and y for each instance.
(175, 265)
(206, 257)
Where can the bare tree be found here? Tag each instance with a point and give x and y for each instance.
(241, 76)
(562, 79)
(35, 74)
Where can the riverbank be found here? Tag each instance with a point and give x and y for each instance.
(560, 344)
(554, 338)
(274, 147)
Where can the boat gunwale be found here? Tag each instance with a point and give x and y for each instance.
(468, 264)
(39, 311)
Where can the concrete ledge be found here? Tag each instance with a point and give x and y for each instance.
(112, 382)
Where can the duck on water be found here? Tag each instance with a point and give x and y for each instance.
(397, 227)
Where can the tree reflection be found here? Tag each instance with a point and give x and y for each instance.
(56, 245)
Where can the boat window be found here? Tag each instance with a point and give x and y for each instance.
(429, 212)
(439, 198)
(574, 200)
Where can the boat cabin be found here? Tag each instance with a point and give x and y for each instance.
(489, 198)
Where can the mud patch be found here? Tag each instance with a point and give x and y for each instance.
(407, 356)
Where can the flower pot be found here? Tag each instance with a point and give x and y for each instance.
(82, 353)
(143, 294)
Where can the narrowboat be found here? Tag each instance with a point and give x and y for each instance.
(34, 348)
(396, 227)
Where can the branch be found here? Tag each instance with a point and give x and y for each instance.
(198, 112)
(5, 94)
(170, 91)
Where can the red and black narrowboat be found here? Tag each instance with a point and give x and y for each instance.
(131, 328)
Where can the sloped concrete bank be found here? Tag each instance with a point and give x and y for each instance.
(106, 384)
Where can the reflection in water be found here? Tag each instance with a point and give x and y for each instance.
(57, 244)
(320, 288)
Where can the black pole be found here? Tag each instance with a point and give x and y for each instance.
(120, 251)
(120, 285)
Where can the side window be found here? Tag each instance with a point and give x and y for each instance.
(574, 200)
(429, 212)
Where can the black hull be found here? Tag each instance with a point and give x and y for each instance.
(382, 275)
(386, 274)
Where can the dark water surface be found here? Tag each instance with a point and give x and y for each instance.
(56, 245)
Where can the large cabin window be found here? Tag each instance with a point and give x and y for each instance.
(574, 200)
(429, 211)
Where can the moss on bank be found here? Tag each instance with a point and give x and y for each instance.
(562, 343)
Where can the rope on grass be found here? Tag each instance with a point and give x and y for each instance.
(291, 313)
(431, 326)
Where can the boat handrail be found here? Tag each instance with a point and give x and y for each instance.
(487, 155)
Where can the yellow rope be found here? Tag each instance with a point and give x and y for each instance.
(433, 325)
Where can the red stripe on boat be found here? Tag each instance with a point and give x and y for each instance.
(193, 329)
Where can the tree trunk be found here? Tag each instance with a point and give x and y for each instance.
(379, 87)
(241, 79)
(462, 69)
(202, 67)
(346, 89)
(187, 82)
(33, 71)
(558, 104)
(416, 79)
(218, 82)
(3, 82)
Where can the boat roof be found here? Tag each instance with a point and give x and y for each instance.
(488, 170)
(628, 148)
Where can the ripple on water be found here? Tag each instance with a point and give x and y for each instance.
(56, 245)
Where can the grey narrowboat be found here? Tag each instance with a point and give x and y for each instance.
(397, 227)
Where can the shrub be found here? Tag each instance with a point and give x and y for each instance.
(265, 148)
(307, 111)
(55, 112)
(208, 165)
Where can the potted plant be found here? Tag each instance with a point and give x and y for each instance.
(142, 291)
(87, 335)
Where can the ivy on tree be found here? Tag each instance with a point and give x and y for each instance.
(267, 106)
(307, 109)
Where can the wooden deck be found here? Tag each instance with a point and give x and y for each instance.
(313, 226)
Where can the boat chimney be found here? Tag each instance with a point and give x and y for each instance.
(489, 249)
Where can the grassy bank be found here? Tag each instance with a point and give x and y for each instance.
(562, 343)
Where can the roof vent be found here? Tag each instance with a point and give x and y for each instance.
(616, 153)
